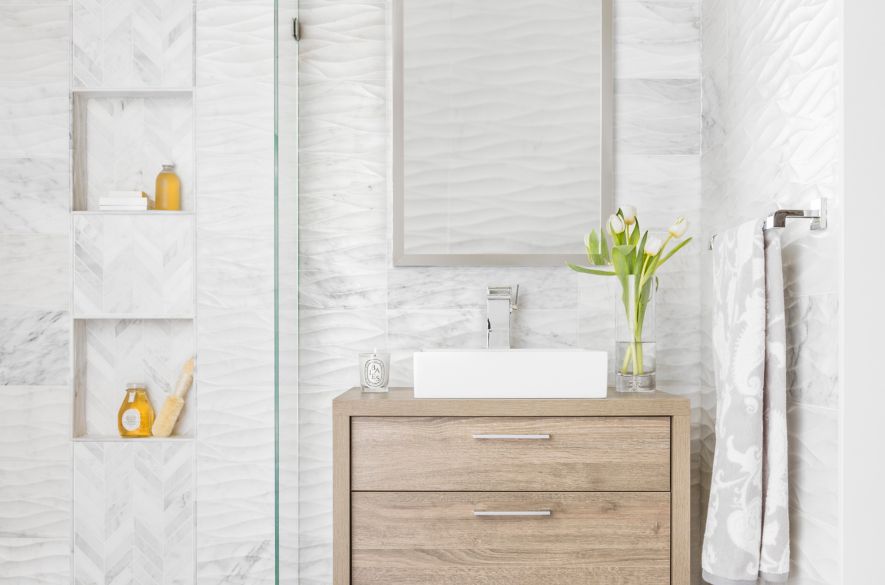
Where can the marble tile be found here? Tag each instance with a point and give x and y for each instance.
(657, 40)
(661, 187)
(341, 288)
(36, 271)
(237, 561)
(35, 462)
(34, 348)
(813, 350)
(134, 264)
(236, 346)
(466, 288)
(34, 195)
(814, 494)
(117, 44)
(657, 116)
(35, 561)
(343, 230)
(330, 340)
(544, 329)
(34, 119)
(34, 42)
(437, 329)
(235, 470)
(142, 526)
(235, 299)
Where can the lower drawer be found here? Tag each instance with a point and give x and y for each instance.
(518, 538)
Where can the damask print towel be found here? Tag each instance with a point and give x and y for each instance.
(747, 538)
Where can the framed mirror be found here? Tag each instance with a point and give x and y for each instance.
(502, 127)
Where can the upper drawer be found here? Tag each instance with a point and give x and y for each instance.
(510, 453)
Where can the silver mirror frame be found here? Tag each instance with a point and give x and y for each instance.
(606, 203)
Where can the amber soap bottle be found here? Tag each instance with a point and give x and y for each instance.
(168, 192)
(136, 415)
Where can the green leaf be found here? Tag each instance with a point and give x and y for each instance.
(640, 251)
(626, 253)
(606, 255)
(673, 251)
(586, 270)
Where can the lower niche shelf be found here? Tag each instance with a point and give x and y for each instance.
(119, 439)
(111, 353)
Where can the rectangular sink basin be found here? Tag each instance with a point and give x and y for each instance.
(511, 373)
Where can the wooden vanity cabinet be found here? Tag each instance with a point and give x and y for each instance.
(524, 492)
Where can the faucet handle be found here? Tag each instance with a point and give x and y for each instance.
(505, 291)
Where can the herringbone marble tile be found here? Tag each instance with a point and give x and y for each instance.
(133, 43)
(133, 510)
(133, 264)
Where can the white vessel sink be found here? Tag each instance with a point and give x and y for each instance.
(511, 373)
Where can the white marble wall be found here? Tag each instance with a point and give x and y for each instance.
(771, 139)
(352, 299)
(35, 392)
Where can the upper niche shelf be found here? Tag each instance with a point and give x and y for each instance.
(122, 137)
(133, 92)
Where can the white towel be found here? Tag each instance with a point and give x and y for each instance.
(747, 539)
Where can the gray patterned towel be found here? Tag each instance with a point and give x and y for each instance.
(747, 539)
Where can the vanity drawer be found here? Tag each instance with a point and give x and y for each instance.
(510, 453)
(437, 538)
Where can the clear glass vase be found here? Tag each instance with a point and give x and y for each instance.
(635, 341)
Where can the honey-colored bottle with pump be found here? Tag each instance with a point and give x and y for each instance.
(168, 193)
(136, 415)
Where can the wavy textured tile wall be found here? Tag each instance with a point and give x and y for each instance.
(35, 392)
(235, 295)
(351, 298)
(771, 134)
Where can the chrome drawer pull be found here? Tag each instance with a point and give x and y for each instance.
(509, 437)
(480, 513)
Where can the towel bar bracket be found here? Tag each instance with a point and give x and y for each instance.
(817, 214)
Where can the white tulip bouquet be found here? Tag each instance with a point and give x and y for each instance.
(634, 258)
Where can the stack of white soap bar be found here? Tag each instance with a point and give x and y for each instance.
(125, 201)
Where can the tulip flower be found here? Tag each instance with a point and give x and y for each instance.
(678, 228)
(616, 225)
(635, 261)
(629, 213)
(653, 246)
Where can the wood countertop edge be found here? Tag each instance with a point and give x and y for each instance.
(401, 402)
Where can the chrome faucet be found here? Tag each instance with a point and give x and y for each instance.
(501, 302)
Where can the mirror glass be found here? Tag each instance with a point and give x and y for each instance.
(502, 129)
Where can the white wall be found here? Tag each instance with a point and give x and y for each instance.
(863, 400)
(771, 140)
(352, 299)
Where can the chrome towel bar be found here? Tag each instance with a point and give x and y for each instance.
(817, 214)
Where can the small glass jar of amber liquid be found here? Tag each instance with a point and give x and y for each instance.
(136, 415)
(168, 193)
